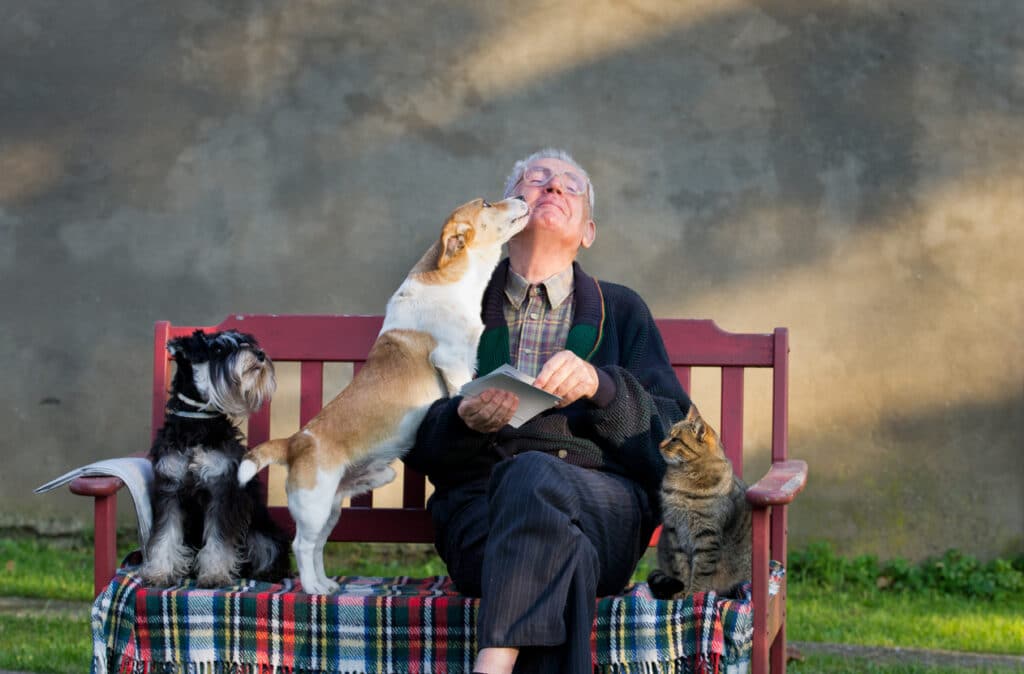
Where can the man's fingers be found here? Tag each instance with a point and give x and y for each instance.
(567, 376)
(555, 371)
(488, 411)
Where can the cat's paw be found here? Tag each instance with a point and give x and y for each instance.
(664, 586)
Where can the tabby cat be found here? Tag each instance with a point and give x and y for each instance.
(705, 543)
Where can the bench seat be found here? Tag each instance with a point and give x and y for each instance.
(390, 625)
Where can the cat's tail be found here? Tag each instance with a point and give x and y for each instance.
(261, 456)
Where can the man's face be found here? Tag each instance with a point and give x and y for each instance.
(554, 209)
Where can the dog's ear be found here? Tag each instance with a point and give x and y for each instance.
(195, 347)
(176, 347)
(455, 236)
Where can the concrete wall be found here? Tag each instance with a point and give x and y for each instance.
(851, 170)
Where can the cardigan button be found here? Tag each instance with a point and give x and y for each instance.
(562, 454)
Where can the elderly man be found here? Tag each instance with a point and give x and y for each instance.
(540, 520)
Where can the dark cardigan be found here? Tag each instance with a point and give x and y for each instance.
(612, 329)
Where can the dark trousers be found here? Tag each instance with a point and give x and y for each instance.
(538, 542)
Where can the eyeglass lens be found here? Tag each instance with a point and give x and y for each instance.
(540, 176)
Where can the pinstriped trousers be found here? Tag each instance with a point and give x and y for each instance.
(538, 542)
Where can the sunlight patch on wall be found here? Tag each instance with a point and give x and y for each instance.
(543, 40)
(27, 169)
(900, 319)
(538, 42)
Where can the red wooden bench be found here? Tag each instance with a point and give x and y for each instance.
(313, 341)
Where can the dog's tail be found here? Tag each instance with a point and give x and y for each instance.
(259, 457)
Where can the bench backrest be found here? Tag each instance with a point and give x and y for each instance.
(313, 341)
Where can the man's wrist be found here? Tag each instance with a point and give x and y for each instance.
(605, 389)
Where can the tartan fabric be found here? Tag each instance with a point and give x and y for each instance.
(539, 317)
(393, 625)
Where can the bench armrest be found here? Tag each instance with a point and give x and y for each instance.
(780, 485)
(95, 486)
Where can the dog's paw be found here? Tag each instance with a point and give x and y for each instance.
(158, 577)
(320, 586)
(213, 580)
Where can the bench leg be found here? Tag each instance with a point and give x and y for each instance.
(104, 541)
(780, 530)
(759, 654)
(777, 654)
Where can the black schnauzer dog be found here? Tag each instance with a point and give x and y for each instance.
(206, 526)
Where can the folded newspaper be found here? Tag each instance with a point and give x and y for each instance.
(532, 400)
(136, 473)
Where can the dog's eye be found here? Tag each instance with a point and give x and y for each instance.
(487, 204)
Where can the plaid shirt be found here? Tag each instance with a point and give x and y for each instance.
(539, 317)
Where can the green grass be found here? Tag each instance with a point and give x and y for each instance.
(57, 645)
(835, 664)
(30, 568)
(854, 614)
(906, 620)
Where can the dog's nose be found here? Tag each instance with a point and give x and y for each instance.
(520, 197)
(260, 356)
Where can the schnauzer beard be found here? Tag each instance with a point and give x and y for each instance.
(238, 385)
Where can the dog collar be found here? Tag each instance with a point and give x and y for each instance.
(194, 415)
(201, 408)
(194, 403)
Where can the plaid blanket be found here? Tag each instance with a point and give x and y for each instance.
(387, 625)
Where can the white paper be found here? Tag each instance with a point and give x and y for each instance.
(137, 475)
(532, 400)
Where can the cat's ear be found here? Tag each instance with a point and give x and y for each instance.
(699, 430)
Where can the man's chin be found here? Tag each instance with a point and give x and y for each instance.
(549, 208)
(548, 218)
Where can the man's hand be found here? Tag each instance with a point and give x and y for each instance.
(568, 376)
(489, 411)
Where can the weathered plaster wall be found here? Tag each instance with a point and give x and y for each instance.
(851, 170)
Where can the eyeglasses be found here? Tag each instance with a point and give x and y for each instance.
(539, 176)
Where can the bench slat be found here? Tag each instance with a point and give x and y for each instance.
(311, 390)
(732, 416)
(700, 342)
(323, 338)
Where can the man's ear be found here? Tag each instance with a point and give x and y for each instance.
(589, 234)
(454, 238)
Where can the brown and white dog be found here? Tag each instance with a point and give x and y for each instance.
(426, 350)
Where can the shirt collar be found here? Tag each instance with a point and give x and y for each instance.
(558, 287)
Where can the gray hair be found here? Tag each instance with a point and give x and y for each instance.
(547, 153)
